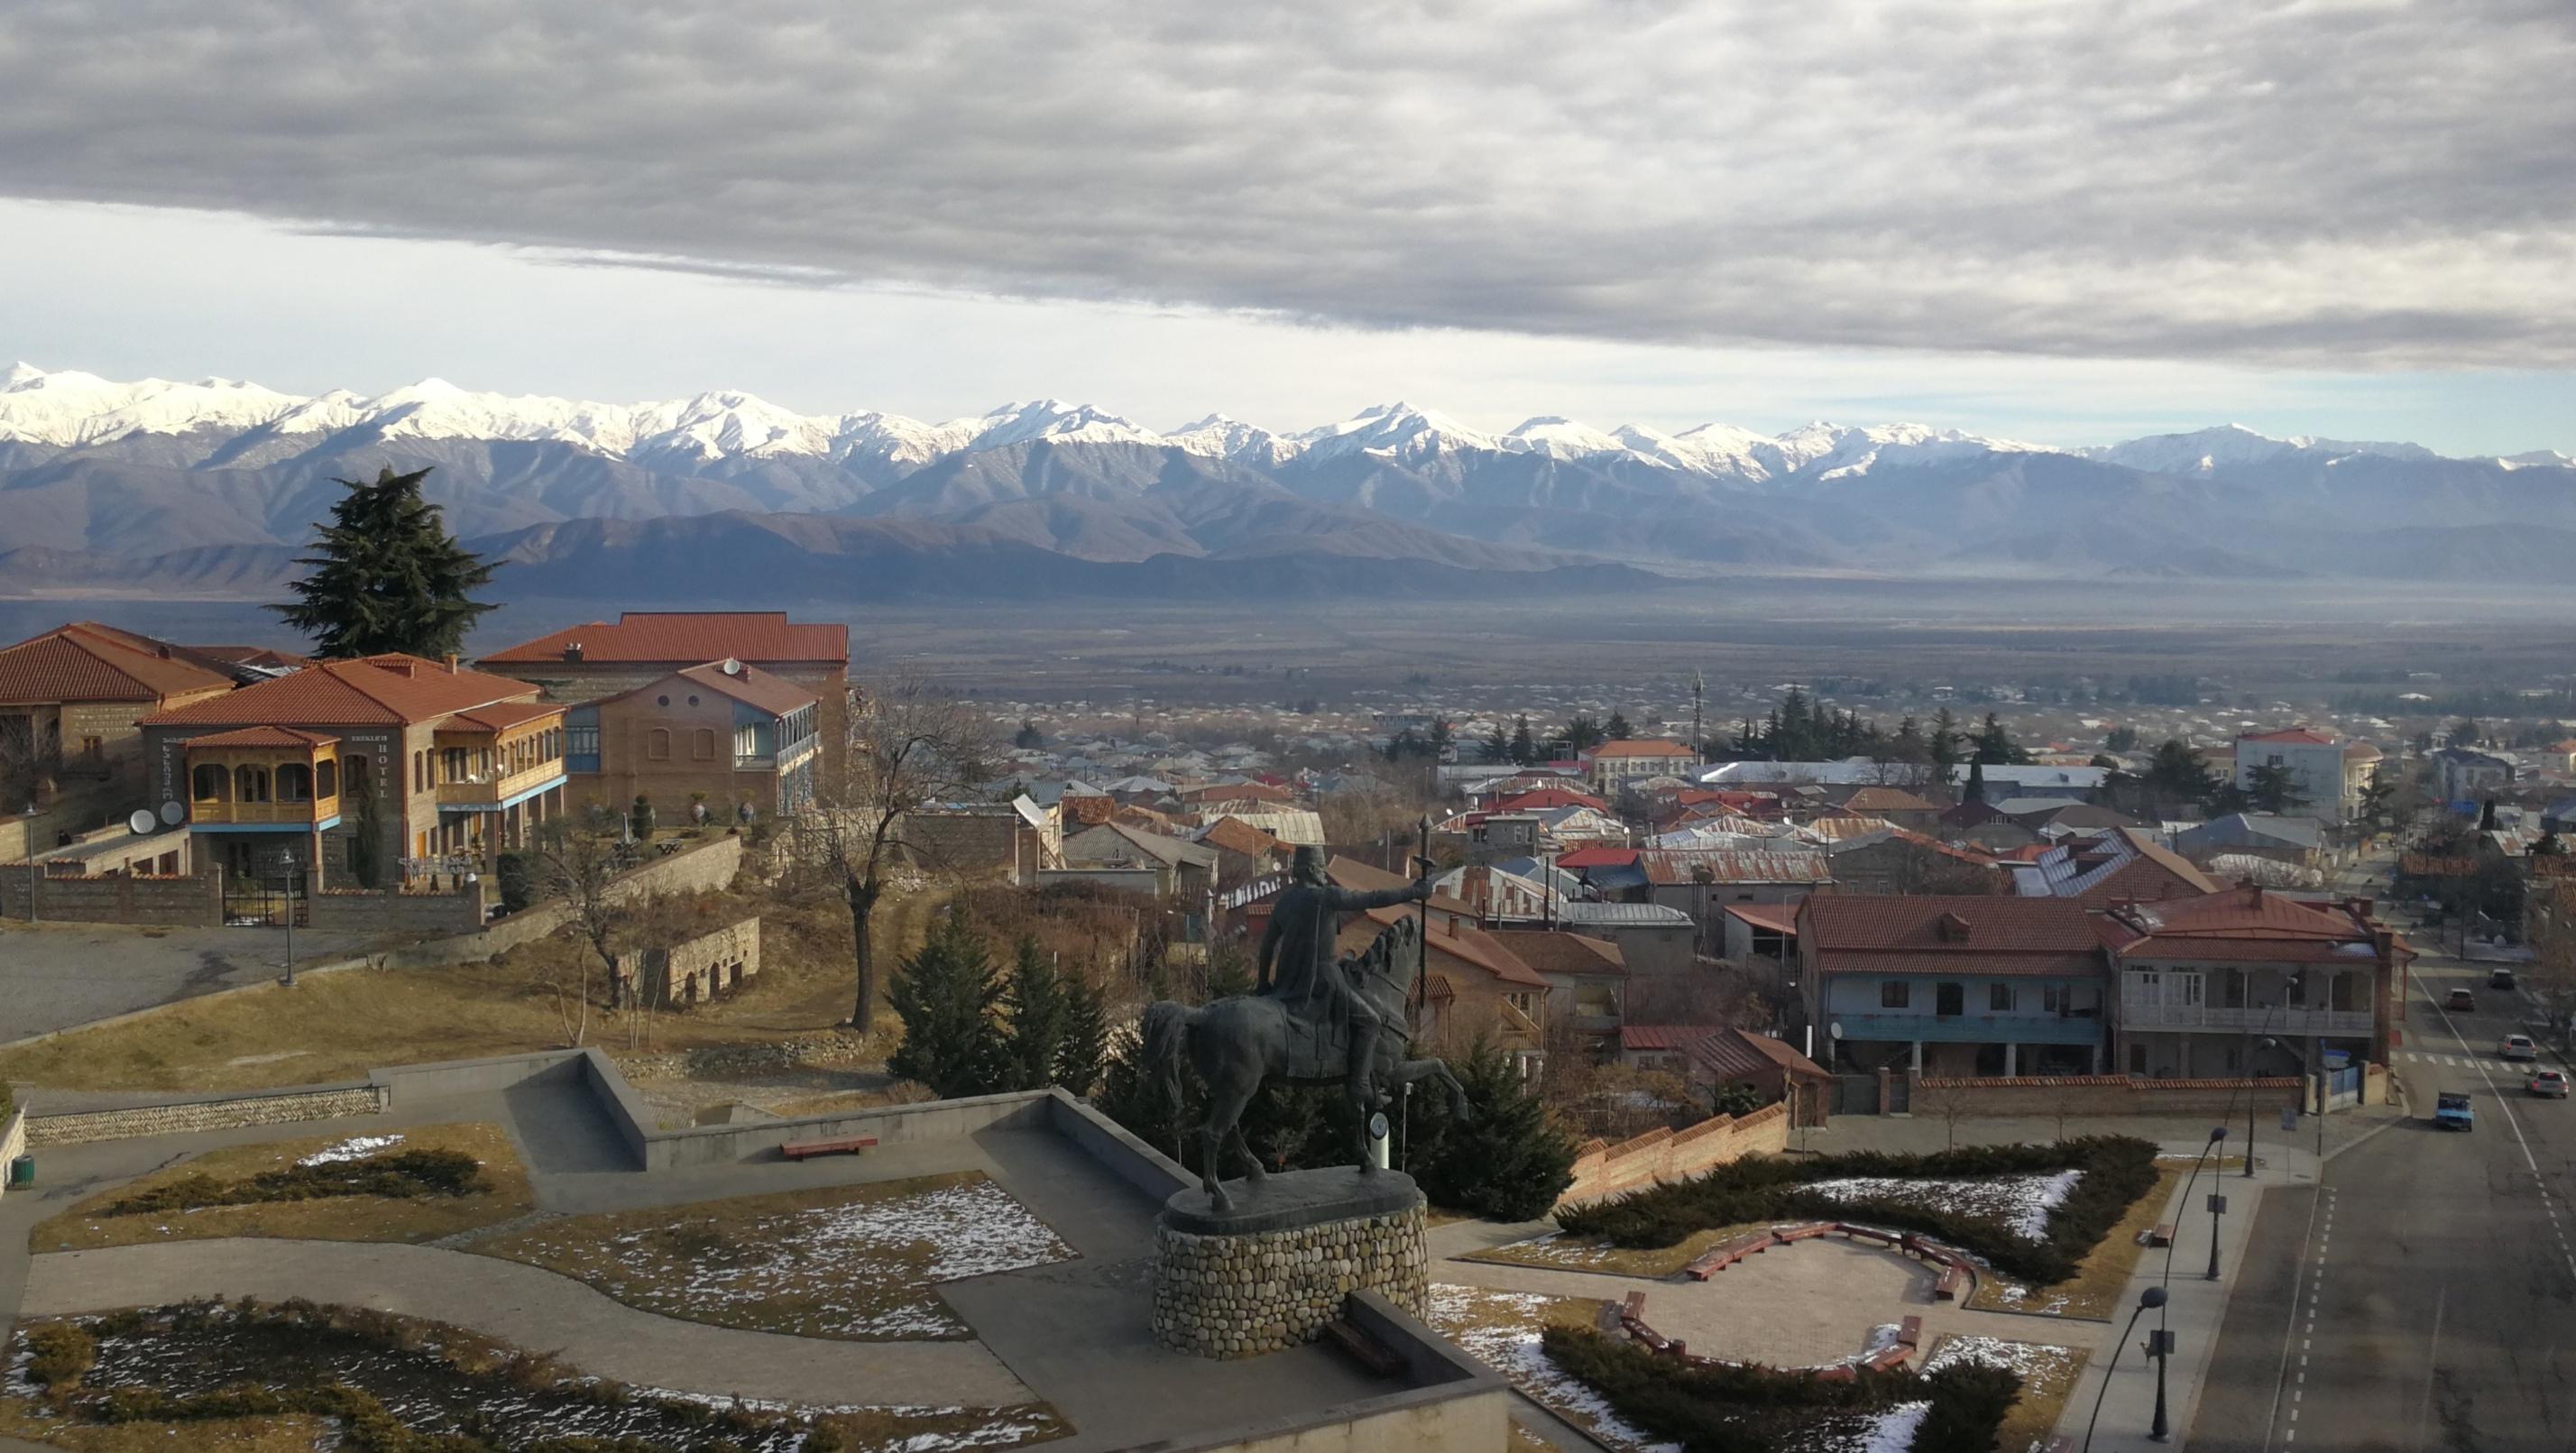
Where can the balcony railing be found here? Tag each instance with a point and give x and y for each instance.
(211, 812)
(486, 791)
(2016, 1028)
(2248, 1021)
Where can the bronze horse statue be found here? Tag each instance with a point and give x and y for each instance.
(1239, 1041)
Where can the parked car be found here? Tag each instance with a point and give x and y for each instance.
(2517, 1046)
(2461, 999)
(2500, 979)
(2451, 1111)
(2548, 1084)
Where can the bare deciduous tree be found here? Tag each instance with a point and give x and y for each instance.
(909, 744)
(577, 859)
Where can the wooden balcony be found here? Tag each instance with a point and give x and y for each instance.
(215, 814)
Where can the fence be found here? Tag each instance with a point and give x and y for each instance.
(1602, 1170)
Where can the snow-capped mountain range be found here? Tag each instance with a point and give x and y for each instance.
(117, 482)
(71, 409)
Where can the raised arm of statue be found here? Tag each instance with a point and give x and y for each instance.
(1343, 900)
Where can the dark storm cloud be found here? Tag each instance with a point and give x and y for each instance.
(2359, 183)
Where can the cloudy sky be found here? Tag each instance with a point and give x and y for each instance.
(2059, 220)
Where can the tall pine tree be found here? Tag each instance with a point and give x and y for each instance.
(386, 576)
(948, 996)
(1084, 1050)
(1041, 1014)
(1509, 1163)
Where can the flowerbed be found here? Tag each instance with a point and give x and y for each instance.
(1985, 1200)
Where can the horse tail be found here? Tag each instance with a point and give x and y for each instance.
(1166, 1031)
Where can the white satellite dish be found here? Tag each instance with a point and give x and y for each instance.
(732, 667)
(174, 812)
(142, 820)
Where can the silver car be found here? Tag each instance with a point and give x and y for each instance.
(2517, 1046)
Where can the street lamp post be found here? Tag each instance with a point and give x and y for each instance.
(2217, 1134)
(2249, 1103)
(33, 872)
(2161, 1430)
(2151, 1297)
(2217, 1208)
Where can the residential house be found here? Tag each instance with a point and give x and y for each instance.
(1243, 852)
(1982, 824)
(1656, 942)
(2297, 841)
(2124, 866)
(1182, 869)
(729, 737)
(1893, 805)
(1018, 838)
(2251, 980)
(1703, 884)
(1587, 981)
(1612, 766)
(71, 701)
(2463, 777)
(1707, 1056)
(1751, 933)
(1897, 861)
(2327, 771)
(1954, 985)
(602, 659)
(390, 766)
(2054, 820)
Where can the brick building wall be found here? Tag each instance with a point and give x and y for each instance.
(196, 901)
(576, 682)
(1601, 1169)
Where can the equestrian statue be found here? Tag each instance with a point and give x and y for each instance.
(1315, 1017)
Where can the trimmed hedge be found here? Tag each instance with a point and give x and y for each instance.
(1724, 1408)
(2117, 1170)
(400, 1175)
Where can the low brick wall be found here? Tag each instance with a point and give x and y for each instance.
(228, 1113)
(2034, 1097)
(194, 901)
(360, 910)
(1601, 1169)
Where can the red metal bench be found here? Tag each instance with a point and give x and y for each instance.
(1946, 1286)
(1719, 1258)
(845, 1145)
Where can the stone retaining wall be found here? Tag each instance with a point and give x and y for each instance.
(190, 901)
(1244, 1295)
(831, 1047)
(229, 1113)
(1602, 1169)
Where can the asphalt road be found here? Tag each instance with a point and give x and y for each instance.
(2424, 1297)
(57, 975)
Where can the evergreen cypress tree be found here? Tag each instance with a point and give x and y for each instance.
(1618, 727)
(948, 996)
(1498, 744)
(1975, 791)
(1908, 744)
(1524, 747)
(1084, 1049)
(1134, 1096)
(386, 575)
(1510, 1163)
(1946, 753)
(1041, 1013)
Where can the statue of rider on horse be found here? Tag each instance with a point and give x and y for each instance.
(1317, 1016)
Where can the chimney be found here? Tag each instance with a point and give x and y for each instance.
(451, 663)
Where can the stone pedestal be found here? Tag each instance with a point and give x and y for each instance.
(1270, 1272)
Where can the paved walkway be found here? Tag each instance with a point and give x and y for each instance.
(528, 1308)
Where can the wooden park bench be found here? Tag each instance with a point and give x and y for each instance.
(1866, 1233)
(1802, 1233)
(1633, 1309)
(2162, 1235)
(1946, 1286)
(1718, 1258)
(845, 1145)
(1909, 1333)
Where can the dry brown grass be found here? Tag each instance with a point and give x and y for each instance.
(769, 1264)
(24, 1419)
(338, 1026)
(334, 1218)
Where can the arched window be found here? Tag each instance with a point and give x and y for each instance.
(250, 784)
(326, 778)
(702, 744)
(294, 782)
(207, 782)
(657, 744)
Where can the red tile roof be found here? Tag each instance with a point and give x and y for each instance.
(1665, 1036)
(677, 637)
(1639, 748)
(85, 661)
(1235, 835)
(752, 687)
(503, 715)
(1545, 797)
(1777, 917)
(1468, 944)
(1597, 857)
(1552, 952)
(262, 736)
(1735, 1053)
(378, 691)
(2299, 736)
(1869, 933)
(2248, 922)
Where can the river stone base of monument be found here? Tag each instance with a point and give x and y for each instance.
(1270, 1272)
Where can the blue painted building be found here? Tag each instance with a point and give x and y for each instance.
(1954, 985)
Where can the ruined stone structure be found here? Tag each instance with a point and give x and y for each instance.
(693, 970)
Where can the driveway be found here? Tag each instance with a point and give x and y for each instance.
(58, 975)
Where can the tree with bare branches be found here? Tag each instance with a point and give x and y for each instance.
(909, 744)
(577, 859)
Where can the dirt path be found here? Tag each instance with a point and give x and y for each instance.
(528, 1308)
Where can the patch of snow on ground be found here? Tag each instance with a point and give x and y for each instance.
(2020, 1204)
(357, 1147)
(1896, 1427)
(2033, 1360)
(1461, 1312)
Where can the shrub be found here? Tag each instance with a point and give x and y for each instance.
(2117, 1170)
(59, 1353)
(401, 1175)
(517, 882)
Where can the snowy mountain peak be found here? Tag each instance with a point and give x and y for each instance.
(1397, 429)
(19, 375)
(1562, 438)
(1222, 436)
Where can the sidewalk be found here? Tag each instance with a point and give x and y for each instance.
(2197, 1305)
